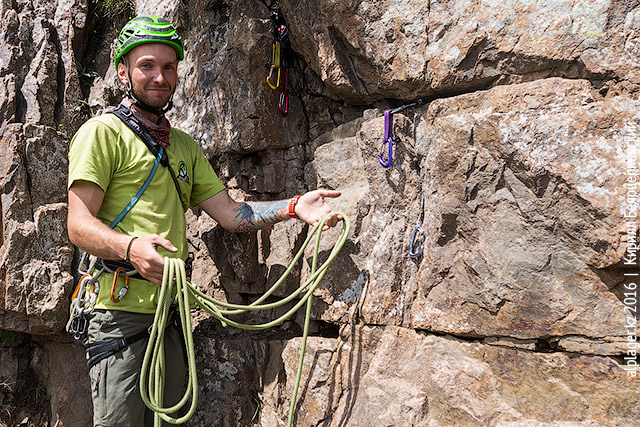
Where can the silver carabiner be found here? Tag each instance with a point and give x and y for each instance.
(417, 234)
(90, 260)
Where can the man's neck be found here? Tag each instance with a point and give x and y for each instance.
(147, 115)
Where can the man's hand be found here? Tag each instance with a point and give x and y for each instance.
(145, 258)
(312, 207)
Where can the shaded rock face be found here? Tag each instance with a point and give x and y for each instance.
(520, 310)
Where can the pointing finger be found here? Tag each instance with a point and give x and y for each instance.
(329, 193)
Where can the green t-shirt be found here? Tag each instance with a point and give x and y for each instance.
(106, 152)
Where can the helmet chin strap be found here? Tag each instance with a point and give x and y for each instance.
(143, 105)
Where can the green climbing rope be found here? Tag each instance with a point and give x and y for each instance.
(153, 366)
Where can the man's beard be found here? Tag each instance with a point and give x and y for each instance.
(152, 102)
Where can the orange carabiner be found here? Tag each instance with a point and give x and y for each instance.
(115, 281)
(75, 293)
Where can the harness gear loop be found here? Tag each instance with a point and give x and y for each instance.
(153, 369)
(417, 234)
(78, 324)
(124, 289)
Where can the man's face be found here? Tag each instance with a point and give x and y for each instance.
(153, 72)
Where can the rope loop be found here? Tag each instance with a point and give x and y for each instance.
(152, 375)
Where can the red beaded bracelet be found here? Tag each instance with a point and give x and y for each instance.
(292, 206)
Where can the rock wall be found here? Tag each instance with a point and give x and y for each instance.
(518, 311)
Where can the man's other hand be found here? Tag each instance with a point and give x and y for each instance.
(312, 207)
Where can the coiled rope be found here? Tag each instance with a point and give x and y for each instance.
(152, 376)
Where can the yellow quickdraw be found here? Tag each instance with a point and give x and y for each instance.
(275, 64)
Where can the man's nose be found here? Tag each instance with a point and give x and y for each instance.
(159, 76)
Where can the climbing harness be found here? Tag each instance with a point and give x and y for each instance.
(280, 54)
(417, 235)
(152, 375)
(100, 350)
(388, 138)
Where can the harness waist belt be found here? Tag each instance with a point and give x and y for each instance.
(113, 265)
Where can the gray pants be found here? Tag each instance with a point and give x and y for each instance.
(115, 380)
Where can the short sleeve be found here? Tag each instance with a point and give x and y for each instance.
(93, 154)
(205, 183)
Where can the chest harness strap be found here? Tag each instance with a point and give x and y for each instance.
(129, 119)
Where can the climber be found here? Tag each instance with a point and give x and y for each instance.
(109, 160)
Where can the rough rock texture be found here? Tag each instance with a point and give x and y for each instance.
(396, 376)
(518, 311)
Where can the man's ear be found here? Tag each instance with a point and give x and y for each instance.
(122, 73)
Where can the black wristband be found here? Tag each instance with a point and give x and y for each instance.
(126, 257)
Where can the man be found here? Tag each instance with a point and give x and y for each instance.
(108, 164)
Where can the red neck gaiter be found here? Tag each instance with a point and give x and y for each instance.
(159, 132)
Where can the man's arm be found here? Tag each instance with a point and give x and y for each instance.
(238, 217)
(90, 234)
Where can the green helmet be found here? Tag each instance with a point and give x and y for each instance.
(147, 29)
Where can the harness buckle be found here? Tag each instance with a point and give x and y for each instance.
(78, 327)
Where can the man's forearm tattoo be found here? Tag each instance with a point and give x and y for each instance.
(259, 215)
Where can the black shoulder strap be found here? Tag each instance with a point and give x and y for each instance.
(138, 128)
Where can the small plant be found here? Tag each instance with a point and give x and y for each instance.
(41, 393)
(254, 419)
(113, 9)
(85, 72)
(5, 388)
(10, 338)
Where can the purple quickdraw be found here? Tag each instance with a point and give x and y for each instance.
(388, 132)
(388, 139)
